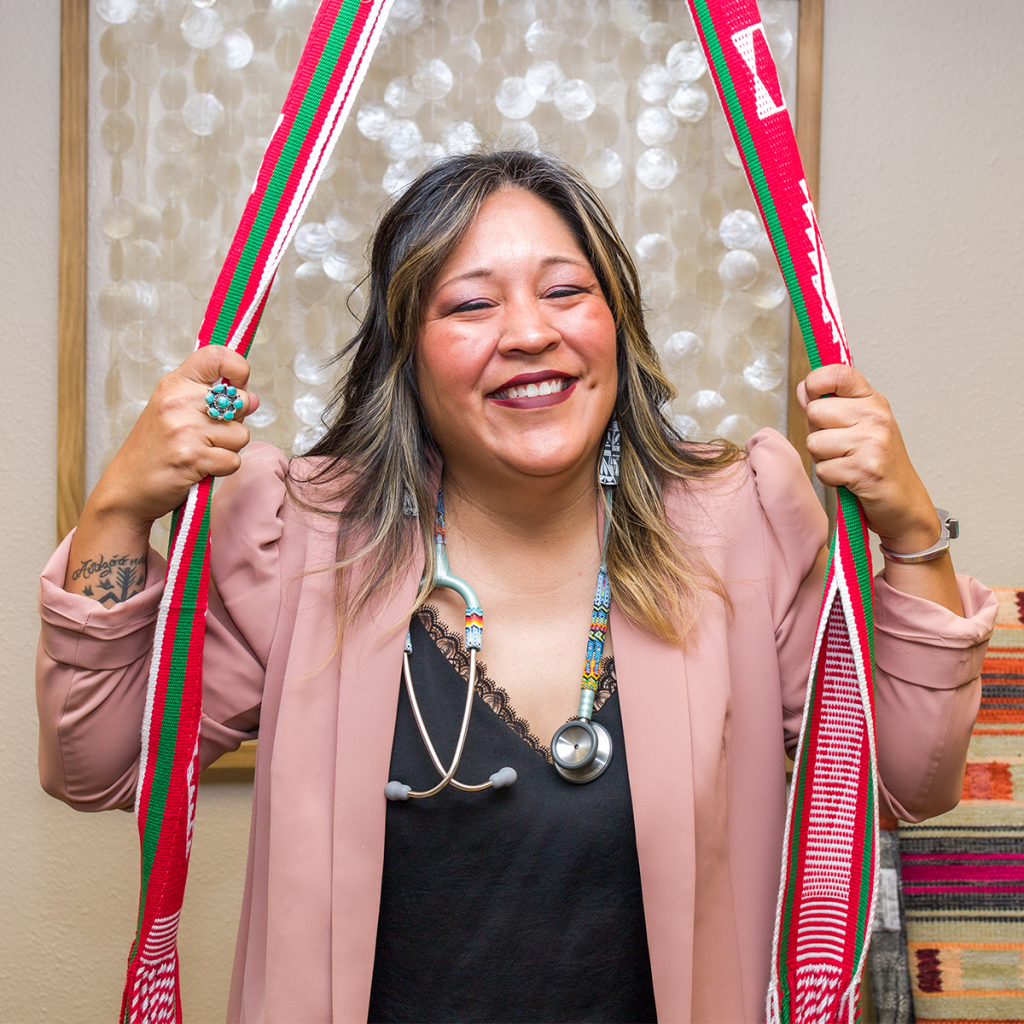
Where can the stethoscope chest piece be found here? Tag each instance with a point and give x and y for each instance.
(581, 750)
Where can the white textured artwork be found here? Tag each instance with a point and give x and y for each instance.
(185, 94)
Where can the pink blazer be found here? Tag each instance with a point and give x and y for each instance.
(706, 729)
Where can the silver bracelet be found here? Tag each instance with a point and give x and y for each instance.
(950, 531)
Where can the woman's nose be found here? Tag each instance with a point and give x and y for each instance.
(528, 328)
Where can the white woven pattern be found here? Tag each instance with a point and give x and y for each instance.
(815, 993)
(822, 280)
(821, 923)
(160, 941)
(152, 998)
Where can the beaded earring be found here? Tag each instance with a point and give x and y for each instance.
(608, 472)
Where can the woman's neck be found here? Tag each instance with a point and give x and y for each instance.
(519, 527)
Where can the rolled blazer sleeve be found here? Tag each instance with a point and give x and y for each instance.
(927, 691)
(927, 672)
(92, 663)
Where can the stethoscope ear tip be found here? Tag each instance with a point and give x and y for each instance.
(504, 777)
(399, 791)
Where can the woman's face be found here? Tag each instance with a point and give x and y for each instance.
(516, 355)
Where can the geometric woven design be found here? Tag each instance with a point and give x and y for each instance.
(887, 954)
(330, 70)
(963, 872)
(833, 823)
(827, 889)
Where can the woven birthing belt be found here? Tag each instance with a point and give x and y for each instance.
(827, 882)
(826, 894)
(333, 63)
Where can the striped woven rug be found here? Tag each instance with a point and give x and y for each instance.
(963, 873)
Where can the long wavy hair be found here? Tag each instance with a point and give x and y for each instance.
(378, 452)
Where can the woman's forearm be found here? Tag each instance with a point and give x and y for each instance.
(934, 581)
(108, 556)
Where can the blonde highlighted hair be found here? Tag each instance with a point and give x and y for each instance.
(378, 449)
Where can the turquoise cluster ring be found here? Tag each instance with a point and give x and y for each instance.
(222, 402)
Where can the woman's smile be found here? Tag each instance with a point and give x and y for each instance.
(534, 391)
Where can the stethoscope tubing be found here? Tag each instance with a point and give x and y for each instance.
(448, 775)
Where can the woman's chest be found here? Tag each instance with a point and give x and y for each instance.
(535, 647)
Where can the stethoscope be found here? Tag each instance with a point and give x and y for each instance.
(581, 749)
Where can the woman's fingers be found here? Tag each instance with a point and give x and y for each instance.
(836, 379)
(852, 422)
(212, 363)
(176, 442)
(861, 461)
(208, 368)
(844, 458)
(839, 396)
(232, 436)
(856, 443)
(838, 413)
(216, 461)
(853, 437)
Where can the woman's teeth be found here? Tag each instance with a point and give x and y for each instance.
(545, 387)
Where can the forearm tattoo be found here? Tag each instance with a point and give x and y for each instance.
(111, 580)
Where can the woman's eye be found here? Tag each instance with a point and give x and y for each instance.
(563, 291)
(472, 306)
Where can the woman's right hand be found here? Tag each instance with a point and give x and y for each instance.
(174, 444)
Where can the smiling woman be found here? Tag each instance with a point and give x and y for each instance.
(492, 267)
(502, 422)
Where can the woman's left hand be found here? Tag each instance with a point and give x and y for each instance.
(855, 442)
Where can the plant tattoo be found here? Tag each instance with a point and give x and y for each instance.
(118, 578)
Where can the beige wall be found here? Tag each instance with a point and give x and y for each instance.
(922, 210)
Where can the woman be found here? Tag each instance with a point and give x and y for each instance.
(504, 333)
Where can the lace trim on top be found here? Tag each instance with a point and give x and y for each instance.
(452, 646)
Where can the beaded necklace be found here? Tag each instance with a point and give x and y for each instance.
(581, 749)
(598, 618)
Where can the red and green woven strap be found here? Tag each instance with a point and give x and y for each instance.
(333, 64)
(830, 858)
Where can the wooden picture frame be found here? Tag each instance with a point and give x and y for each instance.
(73, 255)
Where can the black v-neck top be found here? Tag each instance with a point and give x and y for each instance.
(520, 904)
